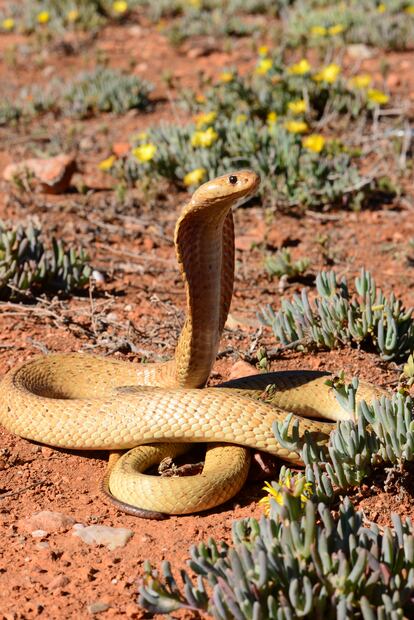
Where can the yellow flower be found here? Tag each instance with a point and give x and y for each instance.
(409, 10)
(7, 24)
(194, 177)
(264, 66)
(120, 7)
(314, 142)
(106, 164)
(226, 76)
(271, 118)
(144, 152)
(318, 31)
(205, 118)
(263, 50)
(241, 118)
(272, 493)
(43, 17)
(328, 74)
(381, 8)
(296, 126)
(377, 96)
(195, 4)
(204, 139)
(337, 29)
(363, 80)
(300, 68)
(295, 485)
(72, 15)
(297, 107)
(200, 98)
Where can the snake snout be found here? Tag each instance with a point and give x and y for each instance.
(229, 190)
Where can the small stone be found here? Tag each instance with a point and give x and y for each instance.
(53, 175)
(97, 607)
(46, 520)
(241, 369)
(60, 581)
(110, 537)
(46, 451)
(135, 31)
(43, 545)
(202, 50)
(360, 51)
(98, 276)
(120, 149)
(39, 533)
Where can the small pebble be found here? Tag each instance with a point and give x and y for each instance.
(39, 533)
(241, 369)
(98, 276)
(110, 537)
(46, 520)
(97, 607)
(60, 581)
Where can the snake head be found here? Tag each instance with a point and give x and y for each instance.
(230, 190)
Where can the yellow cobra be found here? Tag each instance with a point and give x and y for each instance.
(89, 403)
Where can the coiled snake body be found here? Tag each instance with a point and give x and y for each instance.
(84, 402)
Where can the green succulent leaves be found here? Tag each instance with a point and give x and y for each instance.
(27, 266)
(335, 318)
(285, 568)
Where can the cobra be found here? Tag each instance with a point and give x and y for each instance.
(82, 402)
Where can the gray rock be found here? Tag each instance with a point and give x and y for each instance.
(110, 537)
(39, 533)
(360, 51)
(98, 606)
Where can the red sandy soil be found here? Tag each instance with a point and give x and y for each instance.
(141, 305)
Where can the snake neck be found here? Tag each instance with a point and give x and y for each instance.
(205, 253)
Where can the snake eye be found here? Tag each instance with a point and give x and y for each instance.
(233, 179)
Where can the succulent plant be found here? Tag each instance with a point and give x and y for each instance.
(262, 120)
(104, 90)
(26, 266)
(100, 90)
(59, 16)
(9, 112)
(292, 175)
(334, 319)
(287, 567)
(281, 264)
(274, 88)
(385, 25)
(300, 562)
(378, 433)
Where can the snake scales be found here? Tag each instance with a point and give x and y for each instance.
(89, 403)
